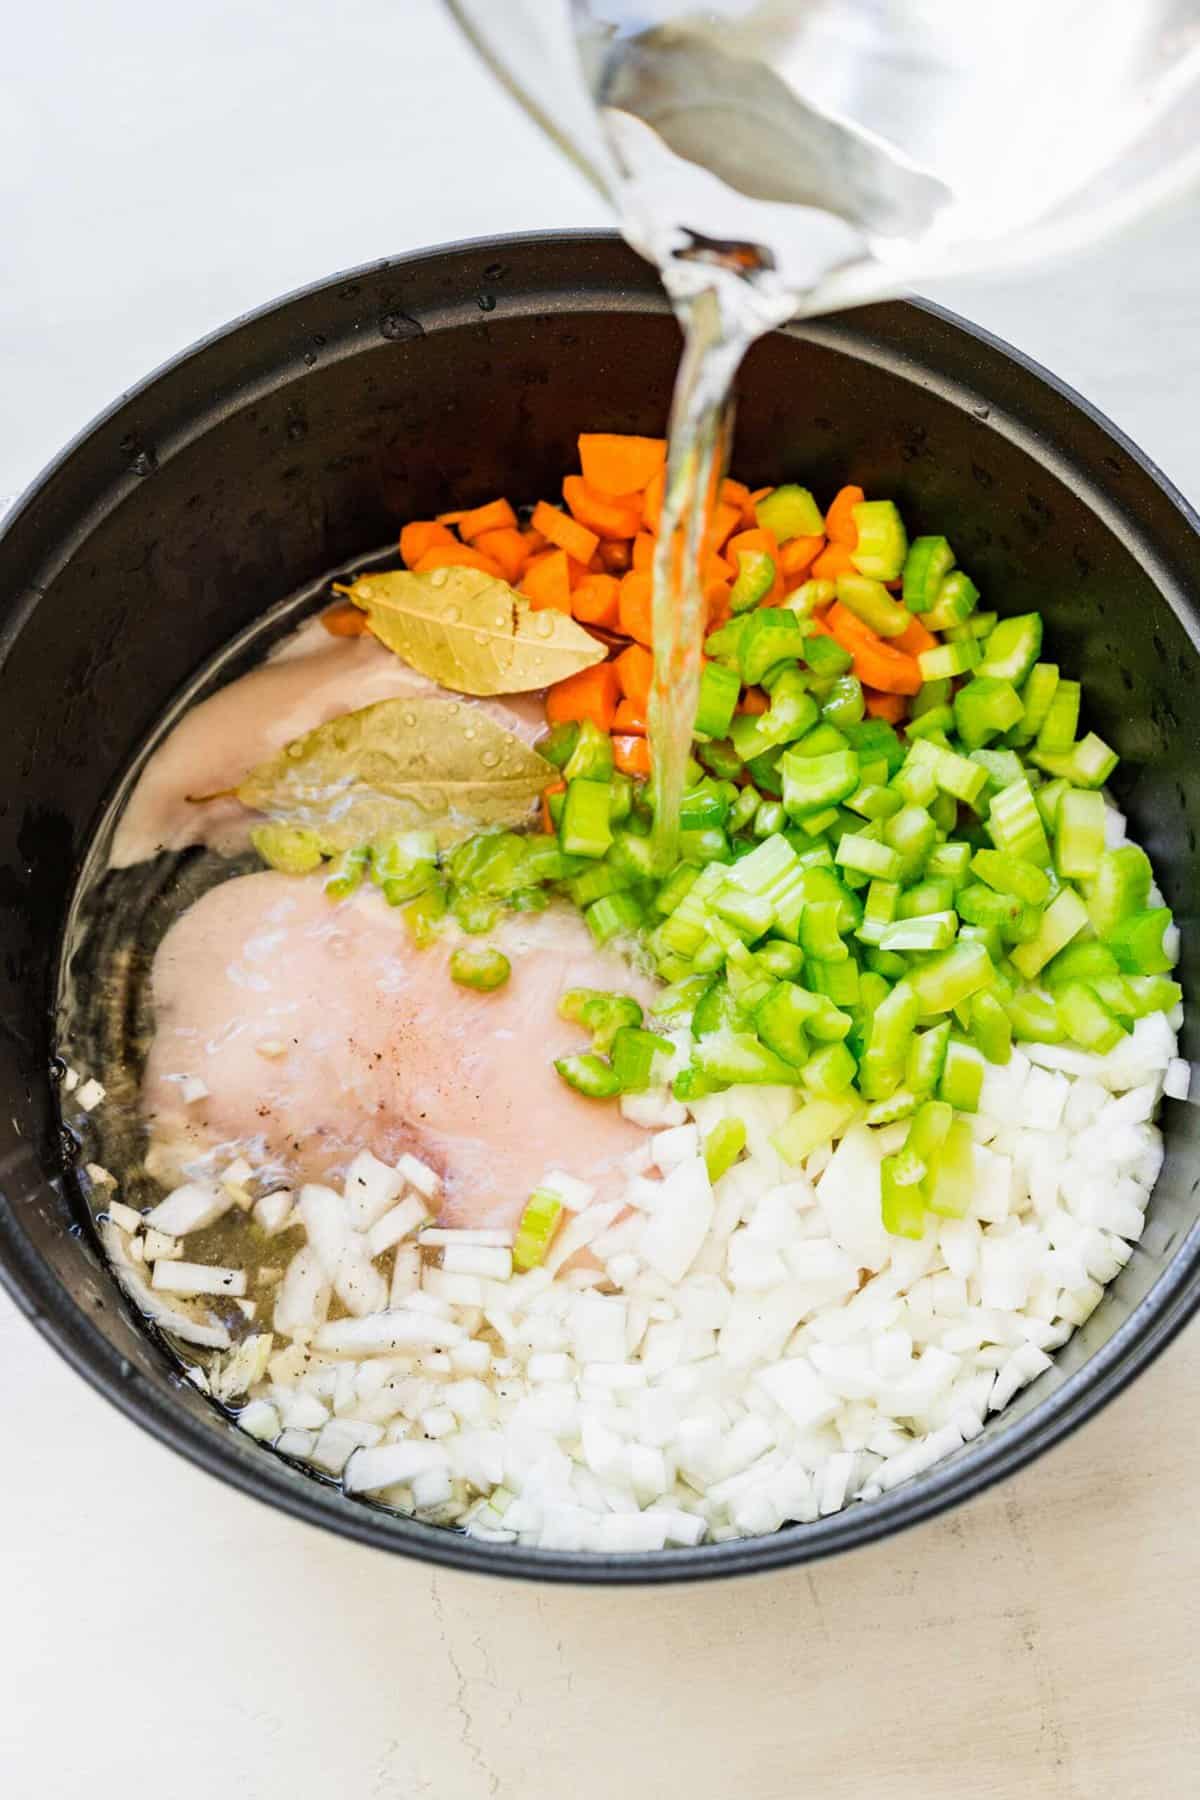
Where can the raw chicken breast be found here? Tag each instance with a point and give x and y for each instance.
(310, 679)
(320, 1029)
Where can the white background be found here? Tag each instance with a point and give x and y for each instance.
(163, 167)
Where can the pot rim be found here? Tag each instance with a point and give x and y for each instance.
(1149, 1328)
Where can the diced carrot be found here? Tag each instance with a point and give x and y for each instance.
(753, 701)
(749, 516)
(555, 787)
(636, 605)
(420, 535)
(591, 694)
(717, 595)
(725, 521)
(506, 546)
(876, 663)
(839, 520)
(635, 672)
(833, 561)
(603, 514)
(452, 518)
(631, 755)
(758, 539)
(497, 515)
(652, 501)
(644, 545)
(561, 529)
(735, 493)
(344, 620)
(628, 718)
(594, 600)
(457, 556)
(534, 541)
(616, 463)
(915, 638)
(797, 557)
(616, 555)
(547, 581)
(892, 707)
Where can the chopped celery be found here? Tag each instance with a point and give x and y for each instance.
(422, 915)
(592, 757)
(953, 774)
(634, 1053)
(830, 1071)
(1087, 764)
(825, 656)
(586, 829)
(929, 561)
(951, 1184)
(754, 581)
(935, 723)
(836, 981)
(722, 1146)
(845, 702)
(597, 880)
(1138, 942)
(769, 818)
(1079, 833)
(782, 960)
(957, 599)
(948, 659)
(1121, 887)
(678, 1001)
(1062, 920)
(902, 1194)
(719, 690)
(949, 862)
(933, 894)
(876, 738)
(1086, 1020)
(870, 601)
(738, 1056)
(882, 541)
(613, 916)
(1037, 695)
(856, 851)
(705, 804)
(911, 833)
(812, 1125)
(484, 970)
(589, 1075)
(961, 1080)
(951, 976)
(536, 1229)
(601, 1013)
(789, 512)
(1085, 960)
(770, 635)
(813, 783)
(926, 1054)
(928, 931)
(1012, 649)
(810, 597)
(1062, 718)
(346, 873)
(704, 844)
(1012, 875)
(1015, 824)
(991, 1028)
(985, 708)
(558, 743)
(721, 760)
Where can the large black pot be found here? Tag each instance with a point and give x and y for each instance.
(300, 437)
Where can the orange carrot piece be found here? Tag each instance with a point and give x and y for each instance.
(833, 561)
(635, 606)
(591, 694)
(652, 501)
(635, 672)
(717, 602)
(915, 638)
(534, 541)
(566, 532)
(497, 515)
(555, 787)
(753, 701)
(608, 515)
(420, 535)
(594, 601)
(506, 546)
(749, 516)
(892, 707)
(644, 545)
(797, 557)
(616, 463)
(875, 663)
(725, 521)
(452, 518)
(839, 520)
(631, 755)
(628, 718)
(735, 493)
(344, 620)
(457, 556)
(616, 556)
(547, 581)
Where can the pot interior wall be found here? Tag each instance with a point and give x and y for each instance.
(307, 435)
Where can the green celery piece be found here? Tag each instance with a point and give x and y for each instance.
(830, 1071)
(1087, 764)
(1037, 696)
(1088, 961)
(716, 1010)
(484, 970)
(535, 1232)
(856, 851)
(676, 887)
(911, 833)
(592, 757)
(953, 774)
(930, 895)
(952, 976)
(825, 656)
(1137, 942)
(1079, 833)
(882, 541)
(957, 599)
(962, 1076)
(769, 818)
(1153, 993)
(1013, 648)
(1062, 718)
(558, 743)
(719, 691)
(738, 1056)
(789, 512)
(722, 1146)
(929, 561)
(950, 1187)
(813, 1125)
(600, 1012)
(928, 1133)
(586, 829)
(935, 723)
(1012, 875)
(678, 1001)
(927, 931)
(813, 783)
(948, 659)
(984, 708)
(1086, 1020)
(870, 601)
(991, 1028)
(876, 738)
(720, 759)
(1063, 919)
(950, 862)
(1121, 887)
(926, 1054)
(902, 1194)
(1015, 824)
(780, 959)
(345, 874)
(724, 645)
(845, 702)
(771, 635)
(810, 597)
(589, 1075)
(754, 581)
(616, 915)
(634, 1053)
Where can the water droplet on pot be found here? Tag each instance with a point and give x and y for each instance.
(410, 718)
(487, 302)
(365, 590)
(489, 759)
(543, 624)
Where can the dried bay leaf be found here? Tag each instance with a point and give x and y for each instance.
(401, 765)
(470, 631)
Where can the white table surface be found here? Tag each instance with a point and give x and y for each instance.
(163, 167)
